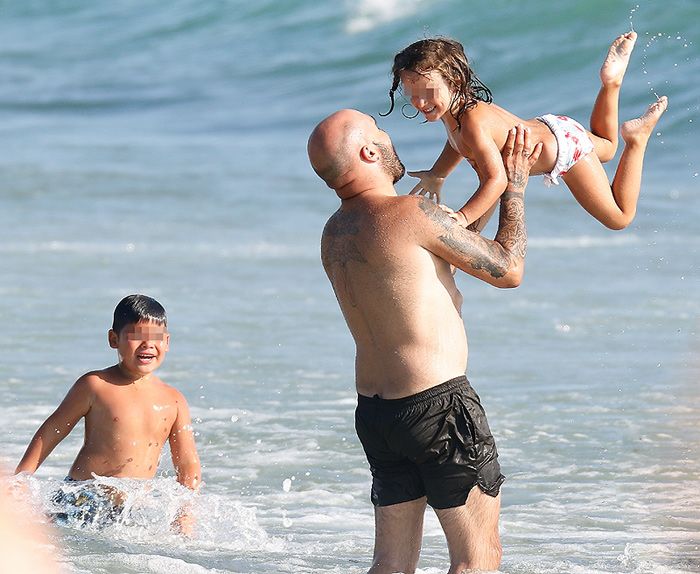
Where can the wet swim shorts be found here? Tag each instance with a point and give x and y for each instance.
(84, 503)
(572, 142)
(436, 443)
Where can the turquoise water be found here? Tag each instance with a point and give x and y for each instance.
(160, 147)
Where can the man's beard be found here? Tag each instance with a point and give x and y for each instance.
(391, 164)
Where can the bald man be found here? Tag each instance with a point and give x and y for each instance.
(390, 260)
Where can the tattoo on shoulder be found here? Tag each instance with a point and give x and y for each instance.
(338, 246)
(341, 224)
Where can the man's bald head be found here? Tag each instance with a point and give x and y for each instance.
(334, 145)
(351, 154)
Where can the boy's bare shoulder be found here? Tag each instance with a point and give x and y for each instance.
(168, 390)
(92, 378)
(100, 376)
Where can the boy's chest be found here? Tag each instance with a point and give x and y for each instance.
(128, 409)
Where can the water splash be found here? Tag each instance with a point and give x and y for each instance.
(632, 11)
(148, 511)
(651, 39)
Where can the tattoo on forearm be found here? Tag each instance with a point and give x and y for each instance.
(482, 254)
(484, 257)
(517, 180)
(512, 233)
(475, 225)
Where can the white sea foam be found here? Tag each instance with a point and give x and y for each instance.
(366, 15)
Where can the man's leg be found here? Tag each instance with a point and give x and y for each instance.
(397, 537)
(472, 533)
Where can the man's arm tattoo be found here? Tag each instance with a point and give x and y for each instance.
(475, 225)
(482, 254)
(517, 180)
(512, 233)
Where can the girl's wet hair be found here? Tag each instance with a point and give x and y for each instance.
(447, 57)
(135, 308)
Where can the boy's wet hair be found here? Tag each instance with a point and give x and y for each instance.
(135, 308)
(447, 57)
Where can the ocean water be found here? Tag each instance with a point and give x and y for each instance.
(159, 147)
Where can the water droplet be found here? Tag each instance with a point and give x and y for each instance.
(286, 485)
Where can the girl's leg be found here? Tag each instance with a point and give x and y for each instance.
(615, 206)
(604, 118)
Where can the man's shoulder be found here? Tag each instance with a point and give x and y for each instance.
(342, 222)
(403, 213)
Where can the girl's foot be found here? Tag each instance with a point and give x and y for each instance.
(615, 64)
(638, 130)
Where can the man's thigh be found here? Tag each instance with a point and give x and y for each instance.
(397, 537)
(472, 532)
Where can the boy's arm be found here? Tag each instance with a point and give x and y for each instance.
(58, 426)
(431, 180)
(185, 460)
(499, 262)
(182, 447)
(488, 163)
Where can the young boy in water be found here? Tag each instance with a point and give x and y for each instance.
(436, 76)
(129, 412)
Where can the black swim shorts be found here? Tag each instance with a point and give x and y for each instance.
(436, 443)
(83, 503)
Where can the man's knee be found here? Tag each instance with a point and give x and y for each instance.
(487, 556)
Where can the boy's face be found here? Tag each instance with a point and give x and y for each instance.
(141, 346)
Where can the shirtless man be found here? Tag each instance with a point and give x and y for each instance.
(390, 260)
(129, 412)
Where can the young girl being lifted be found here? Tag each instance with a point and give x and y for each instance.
(435, 75)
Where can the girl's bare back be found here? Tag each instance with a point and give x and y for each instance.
(497, 122)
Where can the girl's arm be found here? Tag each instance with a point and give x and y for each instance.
(486, 160)
(431, 180)
(58, 426)
(499, 262)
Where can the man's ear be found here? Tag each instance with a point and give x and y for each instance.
(112, 338)
(369, 153)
